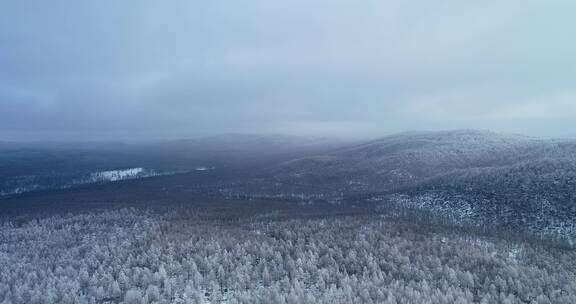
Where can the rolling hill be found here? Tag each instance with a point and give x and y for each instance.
(466, 176)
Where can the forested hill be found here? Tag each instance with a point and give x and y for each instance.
(408, 158)
(466, 175)
(46, 166)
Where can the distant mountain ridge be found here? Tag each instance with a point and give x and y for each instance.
(477, 177)
(414, 156)
(34, 166)
(514, 180)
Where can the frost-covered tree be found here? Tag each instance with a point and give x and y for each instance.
(184, 256)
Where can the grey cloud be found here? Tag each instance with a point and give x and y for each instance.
(156, 69)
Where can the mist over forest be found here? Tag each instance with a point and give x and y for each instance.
(325, 151)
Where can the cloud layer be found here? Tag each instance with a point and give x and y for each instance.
(164, 69)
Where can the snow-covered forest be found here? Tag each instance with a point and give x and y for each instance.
(287, 152)
(186, 255)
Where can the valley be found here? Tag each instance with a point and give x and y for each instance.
(438, 217)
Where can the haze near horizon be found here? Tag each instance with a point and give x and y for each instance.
(162, 70)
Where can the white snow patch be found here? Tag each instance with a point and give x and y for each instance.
(116, 175)
(514, 252)
(202, 168)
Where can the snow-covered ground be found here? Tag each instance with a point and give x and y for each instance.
(116, 175)
(203, 168)
(18, 190)
(34, 183)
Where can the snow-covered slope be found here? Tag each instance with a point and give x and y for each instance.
(465, 175)
(117, 175)
(23, 184)
(405, 159)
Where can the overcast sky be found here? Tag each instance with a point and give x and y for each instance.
(111, 69)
